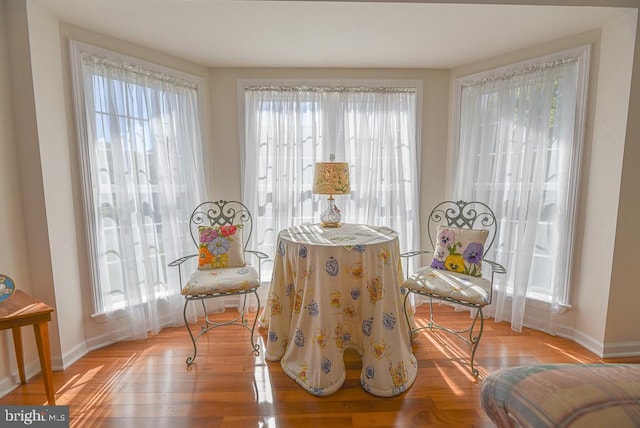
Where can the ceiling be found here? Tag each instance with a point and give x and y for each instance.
(239, 33)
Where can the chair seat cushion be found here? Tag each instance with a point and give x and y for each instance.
(225, 280)
(451, 285)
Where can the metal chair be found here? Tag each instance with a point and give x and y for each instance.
(452, 276)
(221, 230)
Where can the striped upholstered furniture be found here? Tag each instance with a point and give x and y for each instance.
(564, 395)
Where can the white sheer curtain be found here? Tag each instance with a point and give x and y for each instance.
(143, 174)
(289, 129)
(519, 153)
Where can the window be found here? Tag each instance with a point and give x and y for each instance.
(518, 149)
(287, 129)
(140, 145)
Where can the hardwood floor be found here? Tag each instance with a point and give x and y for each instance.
(147, 384)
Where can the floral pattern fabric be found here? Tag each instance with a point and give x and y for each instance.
(334, 289)
(227, 280)
(220, 247)
(460, 250)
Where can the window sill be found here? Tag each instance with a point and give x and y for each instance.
(539, 302)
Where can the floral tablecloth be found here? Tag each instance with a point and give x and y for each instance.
(333, 289)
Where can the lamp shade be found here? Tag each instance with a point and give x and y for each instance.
(331, 178)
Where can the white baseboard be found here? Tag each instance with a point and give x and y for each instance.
(70, 357)
(586, 341)
(8, 384)
(608, 350)
(32, 368)
(11, 382)
(536, 319)
(98, 342)
(621, 350)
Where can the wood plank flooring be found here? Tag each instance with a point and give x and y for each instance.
(147, 383)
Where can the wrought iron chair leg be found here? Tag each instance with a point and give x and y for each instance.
(254, 345)
(431, 320)
(205, 327)
(243, 312)
(475, 341)
(193, 340)
(472, 341)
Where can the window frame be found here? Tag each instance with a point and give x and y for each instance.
(583, 55)
(76, 49)
(415, 84)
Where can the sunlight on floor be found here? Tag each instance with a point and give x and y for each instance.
(570, 355)
(452, 352)
(270, 422)
(69, 390)
(89, 409)
(264, 389)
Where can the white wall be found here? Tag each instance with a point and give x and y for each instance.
(623, 318)
(40, 180)
(33, 216)
(595, 288)
(55, 164)
(14, 256)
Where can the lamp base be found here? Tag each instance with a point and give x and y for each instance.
(331, 216)
(330, 224)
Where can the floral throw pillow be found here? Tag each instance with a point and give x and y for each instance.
(460, 250)
(220, 247)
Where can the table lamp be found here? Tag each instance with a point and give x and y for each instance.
(331, 178)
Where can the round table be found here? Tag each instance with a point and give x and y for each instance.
(334, 289)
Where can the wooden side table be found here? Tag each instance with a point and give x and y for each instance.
(20, 310)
